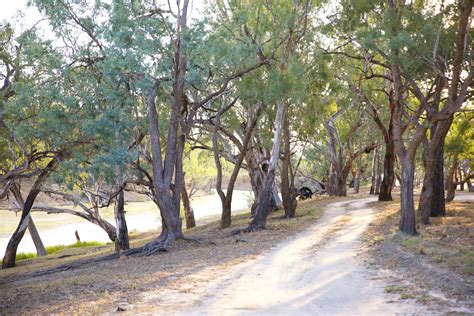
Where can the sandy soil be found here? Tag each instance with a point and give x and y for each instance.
(318, 272)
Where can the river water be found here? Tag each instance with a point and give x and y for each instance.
(147, 220)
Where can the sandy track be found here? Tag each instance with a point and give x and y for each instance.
(316, 273)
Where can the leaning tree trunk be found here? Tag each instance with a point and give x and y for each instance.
(407, 212)
(15, 190)
(121, 241)
(450, 184)
(40, 249)
(10, 253)
(188, 210)
(106, 226)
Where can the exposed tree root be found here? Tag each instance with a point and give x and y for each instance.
(246, 230)
(161, 244)
(199, 241)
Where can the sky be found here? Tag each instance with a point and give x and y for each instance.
(9, 10)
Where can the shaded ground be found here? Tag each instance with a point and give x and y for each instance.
(435, 268)
(103, 287)
(341, 262)
(318, 272)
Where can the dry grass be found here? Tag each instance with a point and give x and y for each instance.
(440, 259)
(448, 241)
(101, 287)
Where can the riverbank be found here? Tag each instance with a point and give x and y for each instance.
(107, 286)
(141, 217)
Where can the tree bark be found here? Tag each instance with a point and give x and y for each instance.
(10, 253)
(40, 249)
(287, 184)
(373, 174)
(461, 181)
(378, 177)
(432, 200)
(358, 176)
(388, 171)
(265, 202)
(450, 184)
(188, 210)
(407, 218)
(253, 158)
(226, 198)
(121, 241)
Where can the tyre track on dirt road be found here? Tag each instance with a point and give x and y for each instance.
(315, 273)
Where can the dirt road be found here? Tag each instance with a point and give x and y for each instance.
(316, 273)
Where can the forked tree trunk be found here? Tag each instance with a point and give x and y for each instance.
(10, 253)
(257, 176)
(171, 223)
(121, 241)
(226, 198)
(264, 207)
(15, 190)
(188, 210)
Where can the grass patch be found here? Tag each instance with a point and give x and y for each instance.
(406, 296)
(412, 243)
(394, 289)
(56, 248)
(464, 260)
